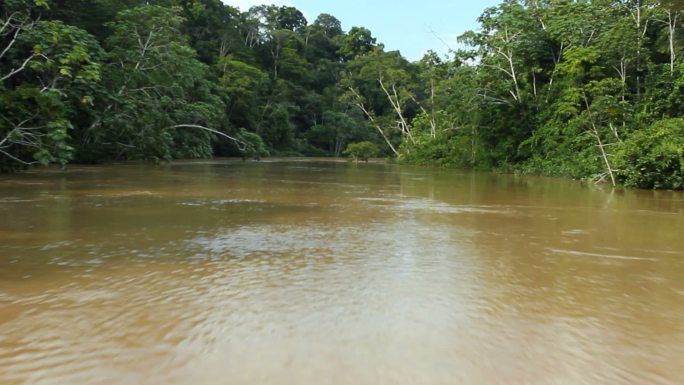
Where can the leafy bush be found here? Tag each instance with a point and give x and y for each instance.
(361, 151)
(447, 149)
(255, 147)
(653, 157)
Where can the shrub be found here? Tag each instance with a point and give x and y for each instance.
(361, 151)
(448, 149)
(653, 157)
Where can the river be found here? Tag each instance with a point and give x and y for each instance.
(292, 272)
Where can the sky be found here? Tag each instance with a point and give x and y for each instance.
(410, 26)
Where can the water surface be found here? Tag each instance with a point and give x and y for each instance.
(310, 272)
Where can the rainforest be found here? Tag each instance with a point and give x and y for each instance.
(581, 89)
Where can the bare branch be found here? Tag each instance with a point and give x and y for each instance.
(241, 144)
(7, 23)
(16, 159)
(360, 105)
(396, 105)
(11, 43)
(23, 66)
(596, 135)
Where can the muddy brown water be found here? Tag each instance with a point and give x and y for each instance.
(316, 272)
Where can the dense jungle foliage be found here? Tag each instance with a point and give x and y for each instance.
(582, 89)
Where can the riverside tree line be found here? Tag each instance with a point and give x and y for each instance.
(582, 89)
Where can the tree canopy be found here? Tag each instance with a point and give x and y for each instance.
(582, 89)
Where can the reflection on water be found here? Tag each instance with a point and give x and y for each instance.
(302, 272)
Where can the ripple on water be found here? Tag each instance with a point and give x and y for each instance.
(370, 287)
(600, 255)
(430, 205)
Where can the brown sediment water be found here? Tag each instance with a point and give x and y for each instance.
(321, 272)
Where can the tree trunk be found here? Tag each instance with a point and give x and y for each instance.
(597, 136)
(360, 105)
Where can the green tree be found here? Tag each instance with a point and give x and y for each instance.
(160, 104)
(381, 85)
(361, 151)
(358, 42)
(654, 157)
(47, 74)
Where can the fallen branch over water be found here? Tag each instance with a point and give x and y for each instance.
(241, 144)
